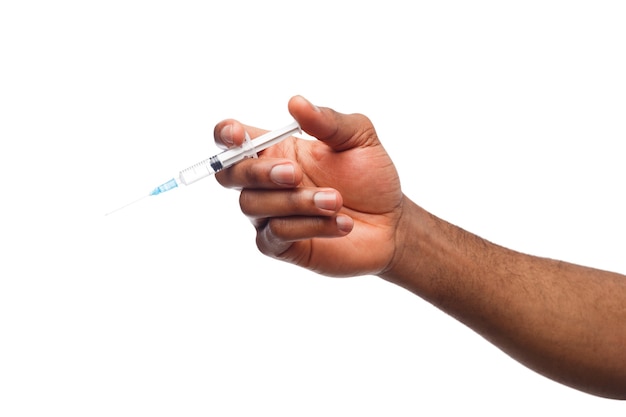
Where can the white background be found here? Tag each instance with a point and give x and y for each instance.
(505, 118)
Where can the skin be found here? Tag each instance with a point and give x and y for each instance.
(335, 206)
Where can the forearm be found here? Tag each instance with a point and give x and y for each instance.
(565, 321)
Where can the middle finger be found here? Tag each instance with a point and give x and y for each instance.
(262, 173)
(302, 201)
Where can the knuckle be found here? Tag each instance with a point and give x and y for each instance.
(246, 202)
(253, 175)
(276, 229)
(269, 242)
(293, 200)
(223, 179)
(366, 133)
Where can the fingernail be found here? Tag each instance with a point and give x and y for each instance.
(313, 106)
(283, 174)
(325, 200)
(226, 134)
(345, 223)
(317, 109)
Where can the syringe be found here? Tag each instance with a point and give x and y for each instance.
(222, 160)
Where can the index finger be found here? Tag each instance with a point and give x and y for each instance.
(231, 133)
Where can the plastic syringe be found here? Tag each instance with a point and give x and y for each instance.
(223, 160)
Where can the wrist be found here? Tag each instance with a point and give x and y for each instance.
(404, 266)
(430, 254)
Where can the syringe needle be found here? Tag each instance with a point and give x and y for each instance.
(158, 190)
(126, 205)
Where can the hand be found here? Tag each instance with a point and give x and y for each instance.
(331, 205)
(334, 205)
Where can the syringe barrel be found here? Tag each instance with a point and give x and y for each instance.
(214, 164)
(231, 156)
(200, 170)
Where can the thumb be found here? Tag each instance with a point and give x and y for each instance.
(339, 131)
